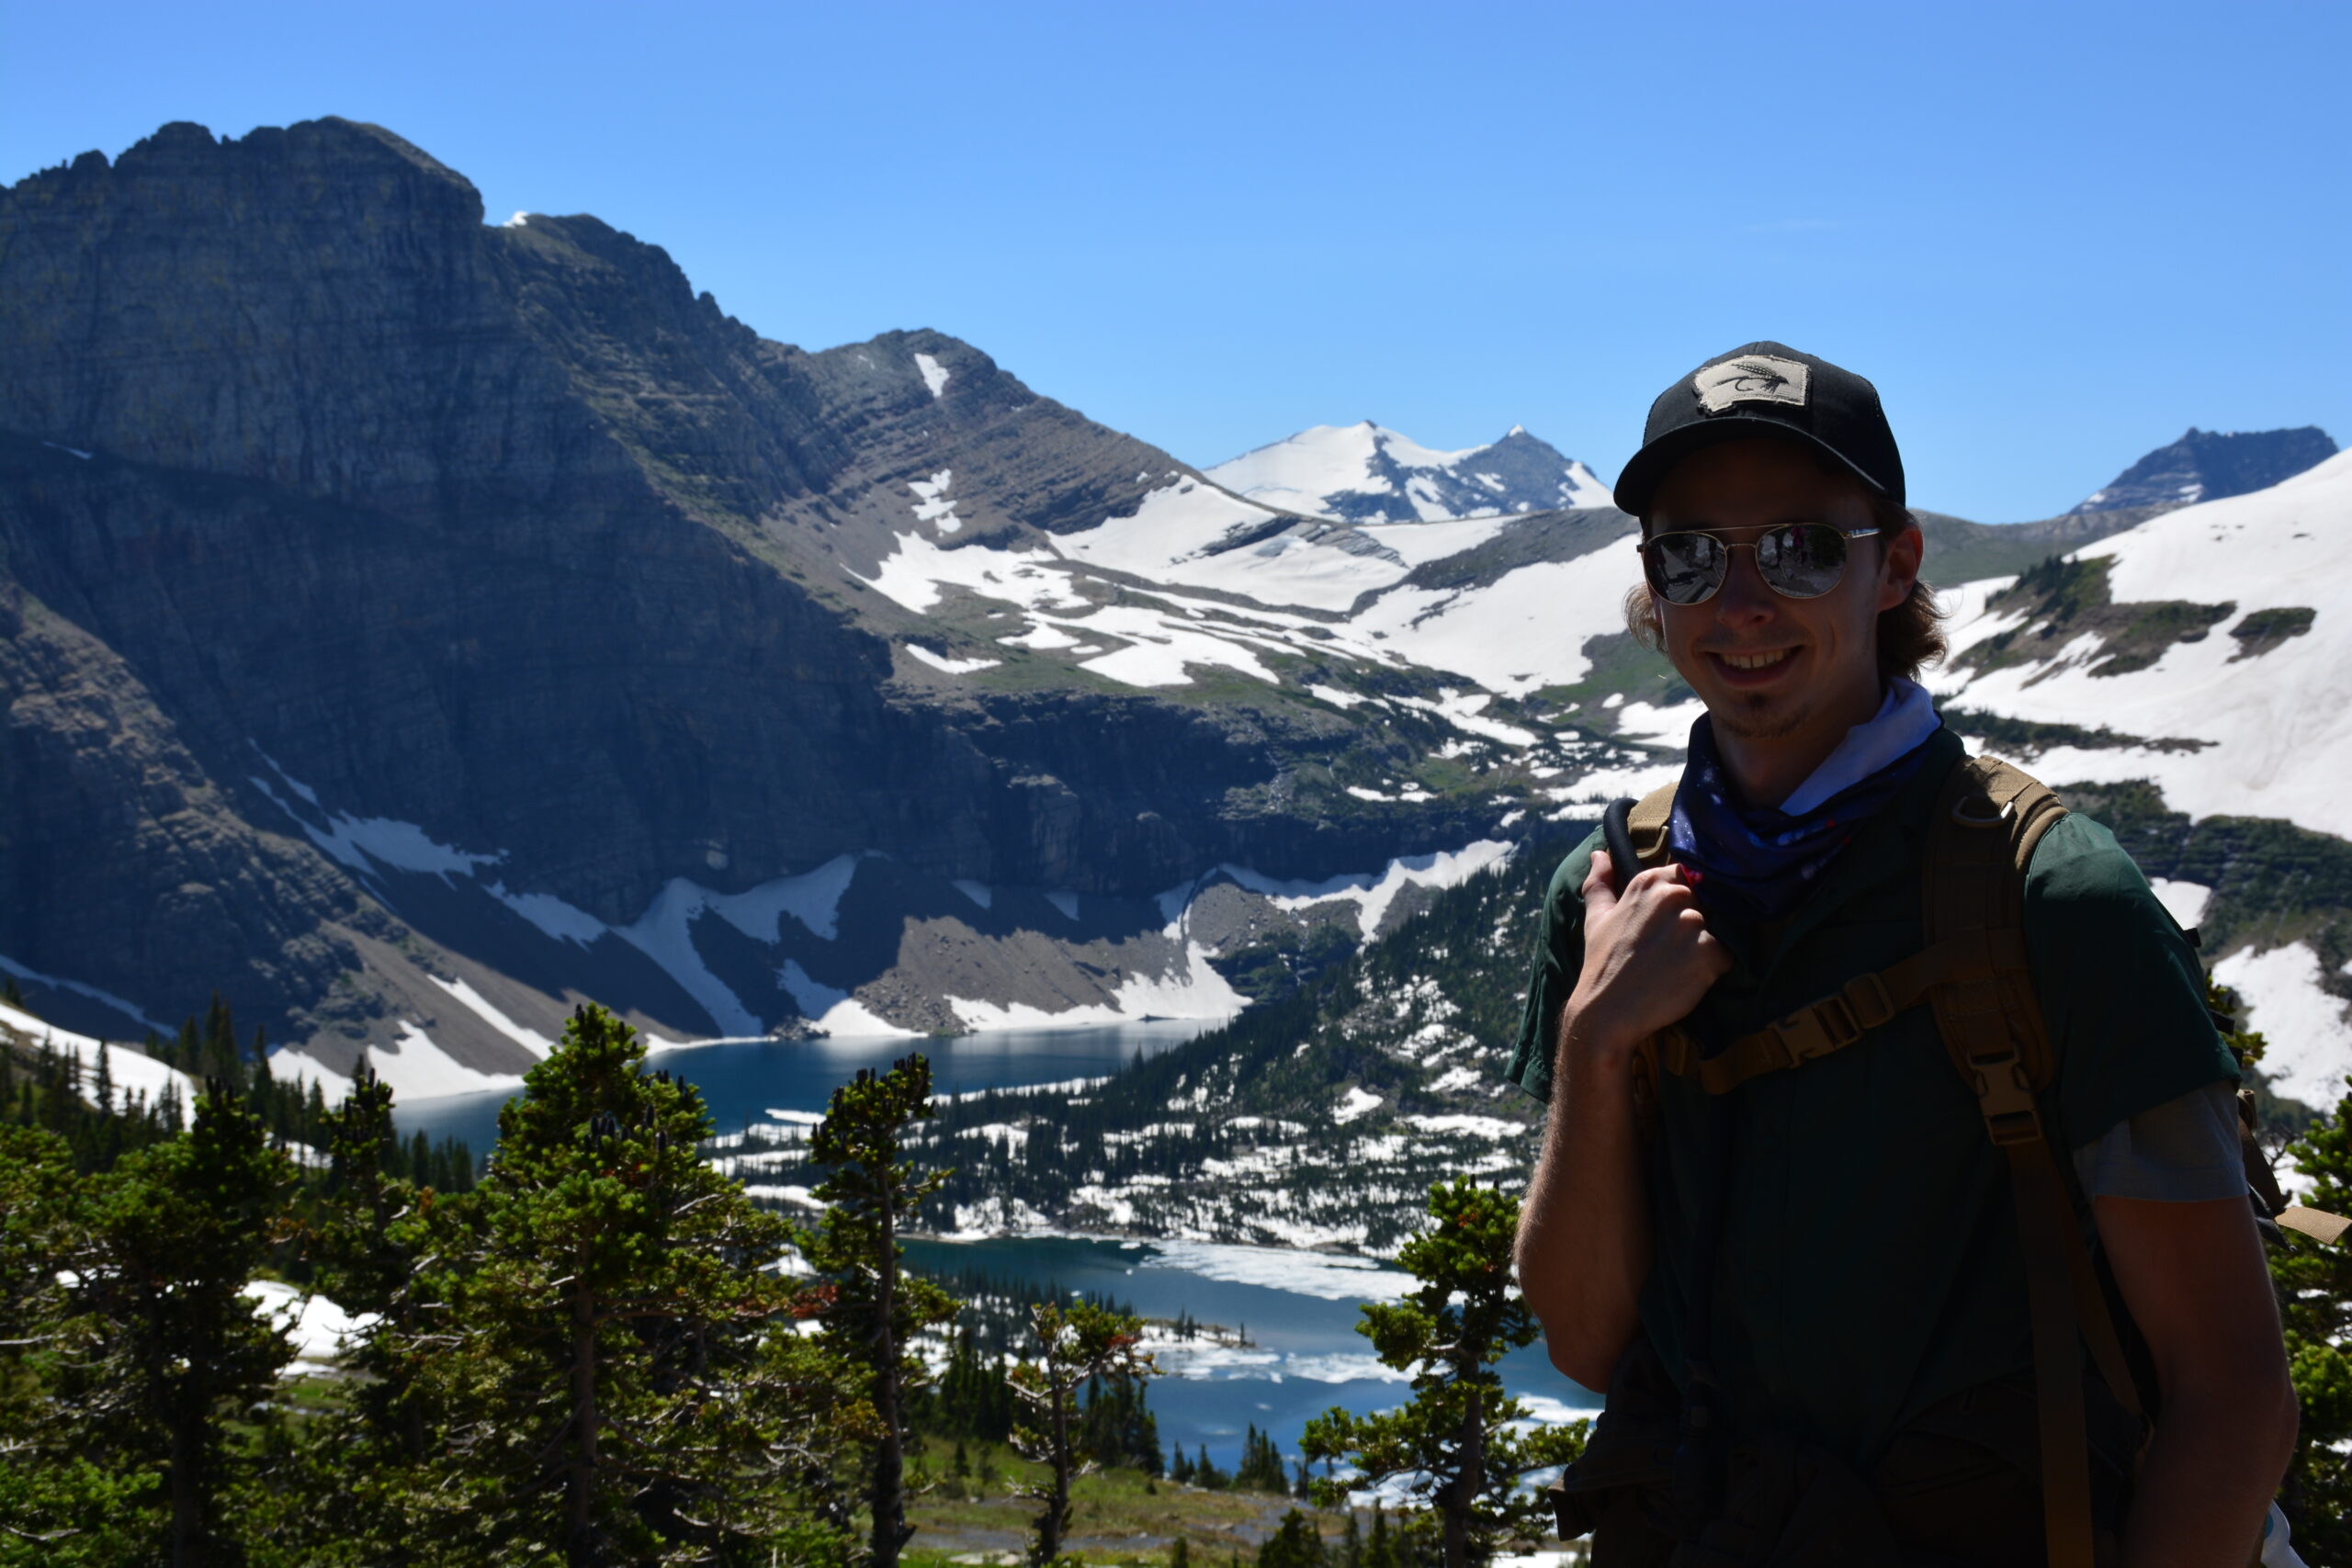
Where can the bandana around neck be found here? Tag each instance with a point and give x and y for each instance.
(1762, 860)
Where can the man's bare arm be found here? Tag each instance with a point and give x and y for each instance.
(2194, 1276)
(1584, 1245)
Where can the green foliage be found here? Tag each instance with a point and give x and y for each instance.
(2065, 598)
(871, 1309)
(1294, 1544)
(1261, 1469)
(55, 1505)
(2263, 630)
(629, 1388)
(56, 1091)
(1266, 1083)
(1117, 1428)
(2314, 1284)
(1076, 1345)
(157, 1353)
(1453, 1438)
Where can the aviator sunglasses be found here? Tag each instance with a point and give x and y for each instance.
(1796, 560)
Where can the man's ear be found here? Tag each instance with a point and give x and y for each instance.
(1899, 567)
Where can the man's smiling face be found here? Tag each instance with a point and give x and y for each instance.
(1784, 679)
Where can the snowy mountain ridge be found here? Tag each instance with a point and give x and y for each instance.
(1367, 473)
(2212, 465)
(866, 689)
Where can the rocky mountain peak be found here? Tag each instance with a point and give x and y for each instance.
(1368, 473)
(2212, 465)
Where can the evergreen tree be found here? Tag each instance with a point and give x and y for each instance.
(56, 1508)
(1180, 1554)
(873, 1309)
(2314, 1283)
(163, 1350)
(1454, 1438)
(1261, 1469)
(1295, 1544)
(1076, 1344)
(628, 1388)
(365, 1243)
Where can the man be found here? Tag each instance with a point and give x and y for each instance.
(1806, 1295)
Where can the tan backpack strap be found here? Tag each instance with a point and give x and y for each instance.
(1647, 821)
(1836, 1021)
(1989, 820)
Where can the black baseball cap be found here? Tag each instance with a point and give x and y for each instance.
(1769, 390)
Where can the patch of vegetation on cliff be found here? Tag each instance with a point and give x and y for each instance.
(2263, 630)
(2065, 599)
(2021, 740)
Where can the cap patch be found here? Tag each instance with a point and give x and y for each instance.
(1750, 379)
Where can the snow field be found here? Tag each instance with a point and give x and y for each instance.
(2280, 724)
(2309, 1045)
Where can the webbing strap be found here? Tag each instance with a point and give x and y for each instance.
(1836, 1021)
(1646, 822)
(2043, 1212)
(1989, 820)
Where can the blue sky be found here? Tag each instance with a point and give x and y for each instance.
(2054, 234)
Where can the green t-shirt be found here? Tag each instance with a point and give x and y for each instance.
(1869, 1266)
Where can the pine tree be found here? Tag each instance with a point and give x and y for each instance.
(1454, 1439)
(872, 1310)
(2315, 1282)
(56, 1508)
(628, 1388)
(1292, 1545)
(1295, 1544)
(364, 1245)
(1075, 1344)
(166, 1350)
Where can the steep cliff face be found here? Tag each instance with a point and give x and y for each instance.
(392, 588)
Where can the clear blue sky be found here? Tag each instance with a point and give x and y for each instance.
(2055, 234)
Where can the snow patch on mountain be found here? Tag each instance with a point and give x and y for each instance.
(1367, 473)
(132, 1071)
(531, 1040)
(416, 1068)
(2280, 723)
(2310, 1050)
(1373, 895)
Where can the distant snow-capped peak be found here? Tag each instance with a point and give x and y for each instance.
(1366, 473)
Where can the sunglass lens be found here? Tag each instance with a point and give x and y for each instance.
(1802, 561)
(1685, 567)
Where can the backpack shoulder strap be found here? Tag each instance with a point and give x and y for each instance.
(1987, 822)
(1647, 822)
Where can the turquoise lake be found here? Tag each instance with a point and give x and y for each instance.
(1299, 1310)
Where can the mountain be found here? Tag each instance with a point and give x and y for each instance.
(410, 625)
(2213, 464)
(1364, 473)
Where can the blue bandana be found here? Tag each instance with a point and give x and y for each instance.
(1761, 861)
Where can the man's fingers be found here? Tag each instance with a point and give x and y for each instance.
(1599, 884)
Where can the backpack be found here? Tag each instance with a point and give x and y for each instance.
(1987, 821)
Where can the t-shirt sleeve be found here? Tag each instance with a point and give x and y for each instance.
(2184, 1151)
(2122, 991)
(1552, 974)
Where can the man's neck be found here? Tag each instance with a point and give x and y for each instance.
(1767, 769)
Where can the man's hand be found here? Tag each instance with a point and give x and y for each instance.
(1584, 1235)
(1648, 958)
